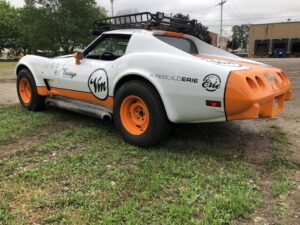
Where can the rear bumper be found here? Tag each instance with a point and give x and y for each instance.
(256, 93)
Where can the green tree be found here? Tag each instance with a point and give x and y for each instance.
(8, 25)
(200, 31)
(53, 24)
(232, 44)
(240, 35)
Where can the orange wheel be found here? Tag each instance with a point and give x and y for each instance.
(25, 90)
(134, 115)
(139, 114)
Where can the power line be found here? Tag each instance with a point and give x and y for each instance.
(224, 25)
(229, 25)
(234, 11)
(254, 18)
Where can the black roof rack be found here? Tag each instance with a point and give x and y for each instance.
(144, 20)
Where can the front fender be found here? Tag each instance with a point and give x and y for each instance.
(35, 65)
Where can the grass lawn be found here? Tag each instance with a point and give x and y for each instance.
(7, 66)
(71, 169)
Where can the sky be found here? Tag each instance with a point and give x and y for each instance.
(208, 12)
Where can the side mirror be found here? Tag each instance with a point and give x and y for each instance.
(78, 56)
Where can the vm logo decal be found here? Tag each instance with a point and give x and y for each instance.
(98, 84)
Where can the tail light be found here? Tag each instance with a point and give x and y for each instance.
(213, 103)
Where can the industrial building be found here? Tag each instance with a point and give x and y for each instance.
(274, 40)
(217, 41)
(214, 38)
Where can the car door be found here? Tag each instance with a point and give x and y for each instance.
(92, 74)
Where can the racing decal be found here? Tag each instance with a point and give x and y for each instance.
(68, 73)
(211, 82)
(176, 78)
(54, 67)
(232, 62)
(56, 72)
(98, 84)
(221, 62)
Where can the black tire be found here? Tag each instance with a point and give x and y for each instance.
(158, 126)
(36, 102)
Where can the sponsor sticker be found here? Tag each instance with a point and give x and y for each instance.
(175, 78)
(68, 73)
(122, 43)
(211, 82)
(98, 84)
(221, 62)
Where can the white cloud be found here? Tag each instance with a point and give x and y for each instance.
(16, 3)
(206, 11)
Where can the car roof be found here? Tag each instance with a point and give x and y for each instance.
(129, 31)
(143, 31)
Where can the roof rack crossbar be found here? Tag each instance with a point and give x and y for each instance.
(144, 20)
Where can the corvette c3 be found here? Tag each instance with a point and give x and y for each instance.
(146, 78)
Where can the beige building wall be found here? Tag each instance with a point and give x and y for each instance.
(222, 42)
(286, 30)
(214, 38)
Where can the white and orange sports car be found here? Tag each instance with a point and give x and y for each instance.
(145, 79)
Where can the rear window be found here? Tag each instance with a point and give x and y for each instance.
(183, 44)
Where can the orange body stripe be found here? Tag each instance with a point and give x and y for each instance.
(173, 34)
(85, 96)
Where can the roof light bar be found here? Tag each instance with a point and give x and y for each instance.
(160, 15)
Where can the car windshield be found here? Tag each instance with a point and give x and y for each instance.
(183, 44)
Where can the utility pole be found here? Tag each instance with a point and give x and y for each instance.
(221, 27)
(112, 7)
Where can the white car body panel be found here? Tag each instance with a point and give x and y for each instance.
(163, 65)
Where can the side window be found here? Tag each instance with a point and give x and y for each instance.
(109, 48)
(183, 44)
(119, 45)
(103, 46)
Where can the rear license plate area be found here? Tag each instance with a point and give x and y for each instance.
(275, 105)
